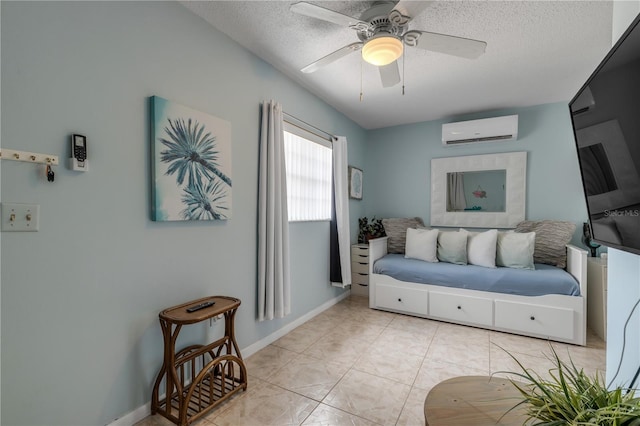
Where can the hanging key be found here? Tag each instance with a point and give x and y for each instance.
(50, 175)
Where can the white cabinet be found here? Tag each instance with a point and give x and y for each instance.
(597, 296)
(360, 269)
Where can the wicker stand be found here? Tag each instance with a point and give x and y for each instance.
(198, 377)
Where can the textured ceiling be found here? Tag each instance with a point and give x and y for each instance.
(537, 52)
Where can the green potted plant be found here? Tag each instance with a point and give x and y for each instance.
(571, 397)
(369, 229)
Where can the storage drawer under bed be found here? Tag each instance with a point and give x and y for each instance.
(402, 299)
(467, 309)
(546, 321)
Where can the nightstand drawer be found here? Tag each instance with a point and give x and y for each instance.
(362, 279)
(359, 258)
(360, 268)
(360, 250)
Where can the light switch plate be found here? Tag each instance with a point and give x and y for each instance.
(20, 217)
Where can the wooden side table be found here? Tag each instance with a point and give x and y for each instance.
(199, 377)
(474, 400)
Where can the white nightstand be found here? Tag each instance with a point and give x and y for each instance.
(360, 269)
(597, 296)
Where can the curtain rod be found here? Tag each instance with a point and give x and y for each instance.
(309, 127)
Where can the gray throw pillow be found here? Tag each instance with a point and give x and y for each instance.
(552, 237)
(452, 247)
(396, 230)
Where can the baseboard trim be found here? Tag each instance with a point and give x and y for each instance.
(144, 411)
(134, 416)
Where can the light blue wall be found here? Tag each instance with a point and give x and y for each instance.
(623, 270)
(399, 163)
(80, 298)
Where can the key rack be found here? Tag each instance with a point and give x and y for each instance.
(28, 157)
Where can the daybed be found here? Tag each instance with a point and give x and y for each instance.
(559, 317)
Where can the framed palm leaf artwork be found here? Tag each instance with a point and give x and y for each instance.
(191, 163)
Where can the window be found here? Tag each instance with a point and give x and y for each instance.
(308, 160)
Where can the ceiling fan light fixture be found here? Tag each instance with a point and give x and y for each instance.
(382, 49)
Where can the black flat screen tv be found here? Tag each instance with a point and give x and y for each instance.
(606, 122)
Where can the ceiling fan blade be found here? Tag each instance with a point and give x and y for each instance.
(404, 11)
(450, 45)
(308, 9)
(390, 74)
(332, 57)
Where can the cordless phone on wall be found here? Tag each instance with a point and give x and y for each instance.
(78, 160)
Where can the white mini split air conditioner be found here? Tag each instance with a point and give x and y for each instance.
(485, 130)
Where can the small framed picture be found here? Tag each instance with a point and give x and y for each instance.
(355, 183)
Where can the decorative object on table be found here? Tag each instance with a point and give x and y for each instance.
(571, 397)
(479, 192)
(355, 183)
(368, 230)
(191, 166)
(586, 239)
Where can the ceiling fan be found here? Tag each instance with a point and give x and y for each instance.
(383, 30)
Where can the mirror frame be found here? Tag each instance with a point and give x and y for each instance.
(515, 163)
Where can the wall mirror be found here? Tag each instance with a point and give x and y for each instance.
(479, 191)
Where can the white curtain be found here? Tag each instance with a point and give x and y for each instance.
(455, 192)
(274, 288)
(341, 188)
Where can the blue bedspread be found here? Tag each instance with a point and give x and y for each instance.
(546, 279)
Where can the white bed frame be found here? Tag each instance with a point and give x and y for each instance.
(554, 317)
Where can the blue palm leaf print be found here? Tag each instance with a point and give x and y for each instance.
(205, 203)
(191, 152)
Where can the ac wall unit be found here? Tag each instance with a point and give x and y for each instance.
(485, 130)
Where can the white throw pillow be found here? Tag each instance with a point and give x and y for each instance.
(481, 248)
(421, 244)
(515, 249)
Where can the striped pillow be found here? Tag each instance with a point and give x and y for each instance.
(396, 230)
(552, 236)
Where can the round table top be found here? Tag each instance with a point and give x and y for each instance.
(473, 400)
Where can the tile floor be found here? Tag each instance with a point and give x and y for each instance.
(352, 365)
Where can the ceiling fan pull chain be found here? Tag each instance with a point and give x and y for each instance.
(361, 60)
(403, 55)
